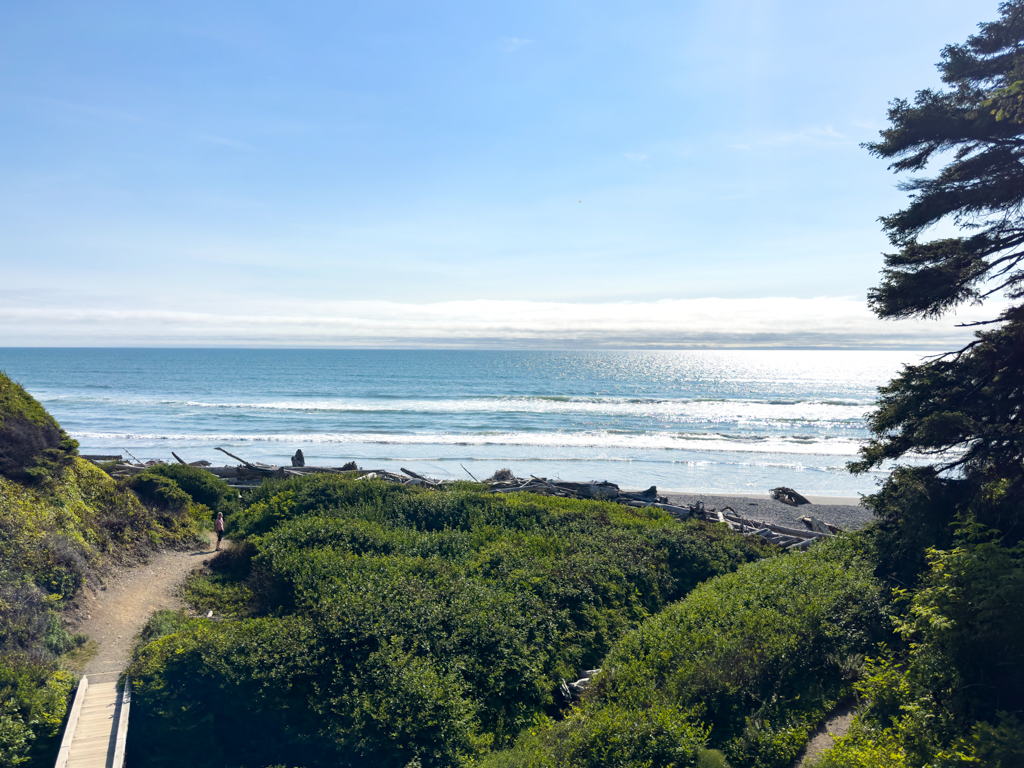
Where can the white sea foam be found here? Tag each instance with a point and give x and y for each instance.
(599, 439)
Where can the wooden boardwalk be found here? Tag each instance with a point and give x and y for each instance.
(97, 726)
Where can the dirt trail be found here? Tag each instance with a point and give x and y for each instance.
(115, 613)
(835, 726)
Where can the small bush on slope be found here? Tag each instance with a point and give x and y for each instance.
(412, 624)
(201, 486)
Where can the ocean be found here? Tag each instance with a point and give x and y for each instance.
(731, 421)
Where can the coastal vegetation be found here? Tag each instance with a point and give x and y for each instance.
(749, 661)
(32, 444)
(63, 521)
(371, 623)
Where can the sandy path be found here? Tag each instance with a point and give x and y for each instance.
(114, 614)
(824, 738)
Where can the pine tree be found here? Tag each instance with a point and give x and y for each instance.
(963, 410)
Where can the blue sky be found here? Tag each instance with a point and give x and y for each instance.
(454, 173)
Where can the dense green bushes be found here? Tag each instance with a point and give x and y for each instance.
(655, 734)
(33, 703)
(393, 624)
(200, 486)
(756, 656)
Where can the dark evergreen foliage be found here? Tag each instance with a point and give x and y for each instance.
(964, 409)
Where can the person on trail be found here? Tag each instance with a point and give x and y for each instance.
(218, 526)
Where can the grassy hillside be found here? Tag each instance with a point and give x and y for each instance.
(62, 522)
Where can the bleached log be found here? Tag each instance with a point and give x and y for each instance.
(418, 476)
(250, 466)
(795, 532)
(819, 526)
(222, 471)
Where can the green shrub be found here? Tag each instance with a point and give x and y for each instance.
(765, 650)
(33, 702)
(57, 639)
(159, 492)
(711, 758)
(660, 736)
(864, 749)
(230, 693)
(163, 623)
(24, 617)
(218, 593)
(203, 487)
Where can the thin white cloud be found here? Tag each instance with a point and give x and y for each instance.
(812, 136)
(515, 43)
(668, 324)
(637, 156)
(220, 141)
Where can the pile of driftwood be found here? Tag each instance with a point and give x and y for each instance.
(248, 474)
(505, 482)
(780, 535)
(251, 474)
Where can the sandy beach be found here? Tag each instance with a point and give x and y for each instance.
(846, 512)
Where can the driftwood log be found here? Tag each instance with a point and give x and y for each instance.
(780, 535)
(788, 496)
(235, 457)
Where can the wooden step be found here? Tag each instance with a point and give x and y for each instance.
(92, 741)
(96, 732)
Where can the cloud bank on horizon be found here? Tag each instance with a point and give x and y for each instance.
(666, 324)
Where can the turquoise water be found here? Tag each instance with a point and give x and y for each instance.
(709, 421)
